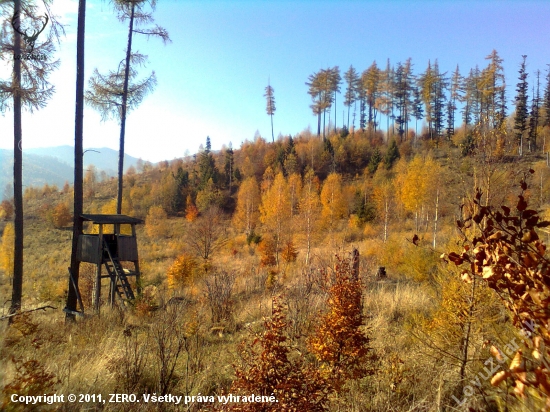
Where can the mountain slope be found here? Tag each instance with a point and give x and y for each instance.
(54, 165)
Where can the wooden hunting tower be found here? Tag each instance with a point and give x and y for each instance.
(109, 250)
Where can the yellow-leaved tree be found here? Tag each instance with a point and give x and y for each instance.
(419, 189)
(384, 198)
(275, 211)
(332, 199)
(6, 251)
(248, 200)
(294, 191)
(310, 206)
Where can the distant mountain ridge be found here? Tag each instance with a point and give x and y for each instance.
(54, 165)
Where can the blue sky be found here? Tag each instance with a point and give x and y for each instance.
(211, 78)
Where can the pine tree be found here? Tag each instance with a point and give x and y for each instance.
(520, 119)
(270, 106)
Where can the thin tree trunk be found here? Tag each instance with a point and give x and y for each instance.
(334, 112)
(123, 113)
(308, 237)
(272, 134)
(17, 290)
(436, 216)
(387, 211)
(78, 159)
(319, 124)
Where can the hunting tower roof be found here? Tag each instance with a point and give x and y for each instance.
(111, 219)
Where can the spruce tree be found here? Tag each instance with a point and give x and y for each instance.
(207, 167)
(520, 119)
(270, 106)
(392, 154)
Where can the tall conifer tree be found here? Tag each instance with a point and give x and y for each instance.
(270, 106)
(520, 119)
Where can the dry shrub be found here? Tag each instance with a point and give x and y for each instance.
(182, 272)
(147, 302)
(31, 379)
(129, 366)
(61, 216)
(219, 289)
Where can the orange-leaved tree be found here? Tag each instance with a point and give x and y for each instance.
(266, 369)
(509, 255)
(340, 341)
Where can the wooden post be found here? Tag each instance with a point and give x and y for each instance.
(97, 286)
(355, 270)
(136, 263)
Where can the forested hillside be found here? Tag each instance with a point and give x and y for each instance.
(256, 241)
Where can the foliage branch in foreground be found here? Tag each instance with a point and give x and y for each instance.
(507, 252)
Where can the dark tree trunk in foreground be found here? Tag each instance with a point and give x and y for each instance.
(78, 157)
(17, 290)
